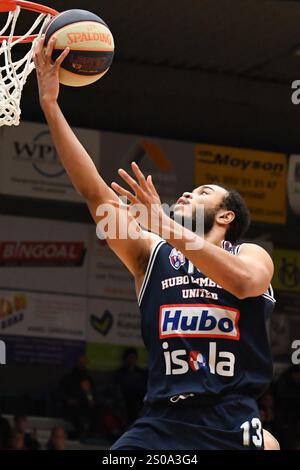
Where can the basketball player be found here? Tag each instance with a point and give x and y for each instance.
(203, 310)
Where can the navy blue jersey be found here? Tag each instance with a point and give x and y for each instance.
(201, 339)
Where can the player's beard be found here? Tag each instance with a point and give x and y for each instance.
(191, 221)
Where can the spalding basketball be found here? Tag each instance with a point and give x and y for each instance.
(91, 46)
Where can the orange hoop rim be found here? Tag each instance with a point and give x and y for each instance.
(11, 5)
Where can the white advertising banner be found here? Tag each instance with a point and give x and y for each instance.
(42, 315)
(170, 162)
(44, 255)
(114, 322)
(29, 165)
(108, 277)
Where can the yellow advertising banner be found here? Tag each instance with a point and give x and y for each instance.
(259, 176)
(287, 270)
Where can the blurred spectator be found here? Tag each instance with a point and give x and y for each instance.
(288, 404)
(17, 440)
(83, 411)
(71, 391)
(71, 381)
(132, 381)
(288, 394)
(114, 423)
(5, 433)
(30, 440)
(57, 439)
(268, 415)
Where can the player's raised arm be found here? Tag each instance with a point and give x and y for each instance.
(78, 164)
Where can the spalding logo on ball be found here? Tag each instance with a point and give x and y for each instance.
(91, 46)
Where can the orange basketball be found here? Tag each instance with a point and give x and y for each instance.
(91, 46)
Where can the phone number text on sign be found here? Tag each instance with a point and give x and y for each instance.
(259, 176)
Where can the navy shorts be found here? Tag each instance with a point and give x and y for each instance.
(231, 424)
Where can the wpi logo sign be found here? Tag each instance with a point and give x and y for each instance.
(198, 320)
(41, 153)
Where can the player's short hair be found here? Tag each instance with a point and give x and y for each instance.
(234, 202)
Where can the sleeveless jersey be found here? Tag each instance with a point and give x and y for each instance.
(201, 339)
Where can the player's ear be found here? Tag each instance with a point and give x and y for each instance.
(225, 217)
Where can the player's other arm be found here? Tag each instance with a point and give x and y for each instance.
(270, 442)
(80, 167)
(248, 274)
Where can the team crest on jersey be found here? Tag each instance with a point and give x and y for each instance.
(177, 259)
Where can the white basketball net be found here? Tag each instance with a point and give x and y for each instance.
(14, 73)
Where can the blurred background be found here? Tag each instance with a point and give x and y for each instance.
(199, 91)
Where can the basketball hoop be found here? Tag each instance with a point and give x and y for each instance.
(14, 73)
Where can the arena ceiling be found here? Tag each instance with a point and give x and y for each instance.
(257, 39)
(219, 70)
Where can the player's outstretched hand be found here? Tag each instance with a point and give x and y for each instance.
(143, 197)
(47, 70)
